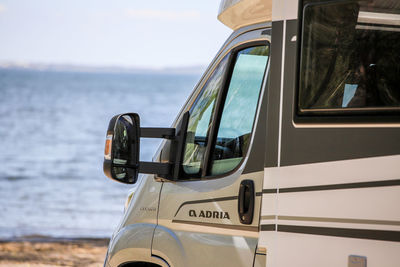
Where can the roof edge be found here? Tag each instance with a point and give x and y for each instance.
(239, 13)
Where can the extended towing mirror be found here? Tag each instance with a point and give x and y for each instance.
(122, 148)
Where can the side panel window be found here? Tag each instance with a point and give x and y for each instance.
(350, 56)
(224, 133)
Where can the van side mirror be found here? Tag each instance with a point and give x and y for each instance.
(121, 154)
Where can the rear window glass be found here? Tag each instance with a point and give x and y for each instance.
(350, 56)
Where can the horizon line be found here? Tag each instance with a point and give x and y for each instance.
(194, 69)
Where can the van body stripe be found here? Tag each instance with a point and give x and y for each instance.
(334, 187)
(268, 227)
(338, 232)
(331, 220)
(220, 225)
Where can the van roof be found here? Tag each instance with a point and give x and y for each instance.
(239, 13)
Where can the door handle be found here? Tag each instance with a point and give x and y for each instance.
(246, 201)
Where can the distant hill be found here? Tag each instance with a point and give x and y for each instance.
(194, 70)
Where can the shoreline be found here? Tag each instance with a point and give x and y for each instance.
(45, 251)
(51, 239)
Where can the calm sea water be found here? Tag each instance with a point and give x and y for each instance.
(52, 132)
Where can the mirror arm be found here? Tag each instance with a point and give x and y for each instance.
(166, 133)
(162, 169)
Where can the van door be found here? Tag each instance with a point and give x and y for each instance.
(210, 216)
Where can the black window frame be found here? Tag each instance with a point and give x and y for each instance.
(216, 116)
(331, 116)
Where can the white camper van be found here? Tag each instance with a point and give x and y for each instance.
(287, 153)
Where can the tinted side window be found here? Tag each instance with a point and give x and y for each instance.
(350, 56)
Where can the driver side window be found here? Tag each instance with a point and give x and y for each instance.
(200, 121)
(221, 120)
(237, 119)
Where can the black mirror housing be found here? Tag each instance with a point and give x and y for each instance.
(121, 154)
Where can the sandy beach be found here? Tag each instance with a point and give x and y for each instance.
(46, 252)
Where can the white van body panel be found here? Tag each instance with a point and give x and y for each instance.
(284, 9)
(322, 206)
(132, 238)
(181, 237)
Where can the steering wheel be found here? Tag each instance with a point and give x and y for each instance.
(230, 147)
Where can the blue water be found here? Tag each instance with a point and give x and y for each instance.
(52, 132)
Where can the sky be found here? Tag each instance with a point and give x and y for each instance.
(127, 33)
